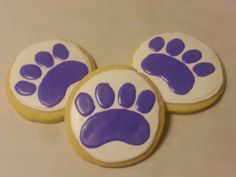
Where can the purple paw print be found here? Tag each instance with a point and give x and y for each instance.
(175, 73)
(57, 79)
(115, 124)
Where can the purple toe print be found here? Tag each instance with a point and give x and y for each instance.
(156, 44)
(104, 95)
(25, 88)
(30, 72)
(203, 69)
(109, 125)
(127, 95)
(56, 80)
(44, 59)
(84, 104)
(145, 101)
(60, 51)
(179, 77)
(175, 47)
(192, 56)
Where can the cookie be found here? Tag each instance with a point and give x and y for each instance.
(187, 72)
(43, 75)
(115, 117)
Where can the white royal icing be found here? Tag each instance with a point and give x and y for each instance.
(115, 151)
(27, 57)
(203, 88)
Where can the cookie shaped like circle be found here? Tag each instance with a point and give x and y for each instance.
(42, 77)
(126, 130)
(188, 73)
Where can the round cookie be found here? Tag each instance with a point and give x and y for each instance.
(42, 76)
(115, 117)
(188, 73)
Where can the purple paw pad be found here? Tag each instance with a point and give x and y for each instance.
(25, 88)
(175, 47)
(84, 104)
(55, 83)
(177, 75)
(30, 72)
(127, 95)
(115, 124)
(57, 79)
(44, 59)
(203, 69)
(60, 51)
(192, 56)
(105, 95)
(145, 101)
(173, 71)
(156, 44)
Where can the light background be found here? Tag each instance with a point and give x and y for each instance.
(194, 145)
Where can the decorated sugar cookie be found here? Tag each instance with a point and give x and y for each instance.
(115, 117)
(187, 72)
(42, 77)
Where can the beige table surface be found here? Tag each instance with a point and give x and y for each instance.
(195, 145)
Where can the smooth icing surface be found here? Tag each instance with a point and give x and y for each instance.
(115, 124)
(127, 94)
(170, 70)
(44, 59)
(52, 89)
(145, 101)
(30, 72)
(25, 88)
(43, 75)
(183, 68)
(60, 51)
(105, 95)
(84, 104)
(175, 47)
(115, 127)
